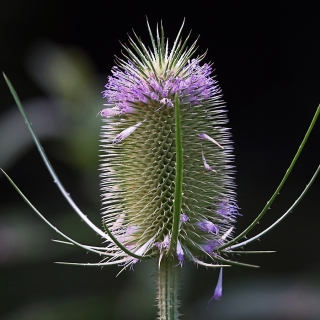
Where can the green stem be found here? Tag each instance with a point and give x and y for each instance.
(168, 289)
(178, 179)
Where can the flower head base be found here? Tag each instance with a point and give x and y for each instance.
(139, 153)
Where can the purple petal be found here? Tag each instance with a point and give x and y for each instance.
(126, 86)
(218, 291)
(180, 253)
(183, 217)
(210, 246)
(227, 209)
(206, 164)
(166, 242)
(208, 226)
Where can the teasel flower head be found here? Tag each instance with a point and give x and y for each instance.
(167, 175)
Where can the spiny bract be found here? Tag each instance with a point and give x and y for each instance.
(139, 150)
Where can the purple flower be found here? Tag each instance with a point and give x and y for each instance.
(218, 291)
(208, 226)
(166, 242)
(180, 253)
(183, 217)
(164, 245)
(227, 209)
(126, 90)
(206, 164)
(210, 246)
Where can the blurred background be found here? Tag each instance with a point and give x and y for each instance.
(58, 55)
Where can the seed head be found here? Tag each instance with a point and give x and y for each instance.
(139, 150)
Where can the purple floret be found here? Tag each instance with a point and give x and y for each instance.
(228, 210)
(184, 217)
(126, 90)
(218, 291)
(208, 226)
(210, 246)
(180, 253)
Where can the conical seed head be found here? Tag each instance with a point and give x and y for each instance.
(139, 154)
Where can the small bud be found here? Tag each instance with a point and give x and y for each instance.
(166, 242)
(184, 217)
(180, 253)
(206, 137)
(125, 133)
(206, 164)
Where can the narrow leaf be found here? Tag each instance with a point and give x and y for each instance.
(275, 194)
(283, 216)
(49, 224)
(49, 166)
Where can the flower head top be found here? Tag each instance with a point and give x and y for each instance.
(141, 151)
(128, 90)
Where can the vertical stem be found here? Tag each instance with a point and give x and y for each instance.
(178, 179)
(168, 289)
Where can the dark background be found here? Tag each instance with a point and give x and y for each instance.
(58, 55)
